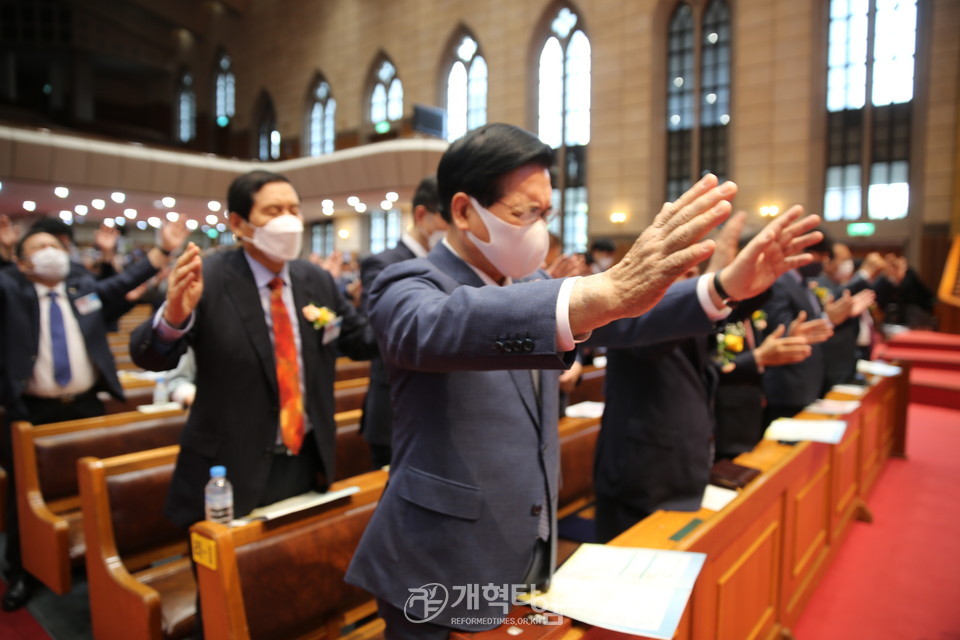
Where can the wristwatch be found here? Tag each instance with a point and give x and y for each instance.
(724, 296)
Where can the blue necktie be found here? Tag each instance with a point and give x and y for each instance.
(58, 339)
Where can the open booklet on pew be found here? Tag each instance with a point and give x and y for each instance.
(882, 369)
(585, 409)
(855, 390)
(795, 430)
(626, 589)
(307, 500)
(829, 407)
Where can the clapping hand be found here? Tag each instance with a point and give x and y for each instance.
(778, 350)
(811, 331)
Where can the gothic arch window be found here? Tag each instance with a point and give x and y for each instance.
(466, 87)
(563, 118)
(698, 93)
(268, 138)
(321, 118)
(186, 108)
(225, 98)
(386, 95)
(871, 55)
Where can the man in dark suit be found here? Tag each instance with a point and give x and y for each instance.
(56, 358)
(792, 387)
(264, 368)
(427, 230)
(474, 365)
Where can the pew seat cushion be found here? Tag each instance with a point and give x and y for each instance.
(177, 587)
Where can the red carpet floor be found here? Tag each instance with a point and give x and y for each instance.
(19, 625)
(899, 577)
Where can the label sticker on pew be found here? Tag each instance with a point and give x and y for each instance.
(204, 551)
(679, 535)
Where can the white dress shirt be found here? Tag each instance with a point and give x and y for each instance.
(82, 370)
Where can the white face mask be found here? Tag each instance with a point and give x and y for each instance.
(280, 239)
(845, 270)
(51, 263)
(514, 251)
(605, 262)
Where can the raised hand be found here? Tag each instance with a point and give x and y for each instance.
(173, 235)
(811, 331)
(771, 253)
(777, 350)
(840, 309)
(568, 265)
(862, 301)
(184, 287)
(105, 240)
(665, 249)
(728, 242)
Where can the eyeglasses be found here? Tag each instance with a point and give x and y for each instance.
(530, 213)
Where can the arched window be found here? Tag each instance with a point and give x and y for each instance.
(321, 119)
(186, 109)
(698, 93)
(466, 88)
(386, 97)
(385, 229)
(268, 138)
(872, 47)
(563, 109)
(226, 96)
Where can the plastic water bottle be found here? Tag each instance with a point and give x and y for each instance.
(218, 496)
(160, 393)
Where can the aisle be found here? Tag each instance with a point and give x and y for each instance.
(899, 577)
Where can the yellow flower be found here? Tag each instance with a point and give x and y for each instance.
(319, 317)
(759, 318)
(733, 343)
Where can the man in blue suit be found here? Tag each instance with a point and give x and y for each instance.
(427, 230)
(54, 318)
(474, 336)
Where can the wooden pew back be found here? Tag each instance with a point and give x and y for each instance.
(590, 386)
(578, 442)
(47, 491)
(139, 576)
(285, 579)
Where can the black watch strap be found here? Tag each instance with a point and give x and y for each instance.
(722, 292)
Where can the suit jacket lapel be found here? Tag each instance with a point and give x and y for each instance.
(242, 292)
(459, 270)
(33, 308)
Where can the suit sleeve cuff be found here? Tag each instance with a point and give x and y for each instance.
(166, 333)
(704, 284)
(566, 341)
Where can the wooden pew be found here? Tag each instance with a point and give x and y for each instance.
(353, 451)
(125, 532)
(284, 579)
(348, 369)
(578, 442)
(48, 499)
(590, 386)
(349, 394)
(767, 550)
(138, 572)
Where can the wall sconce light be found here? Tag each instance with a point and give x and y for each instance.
(618, 217)
(769, 211)
(343, 234)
